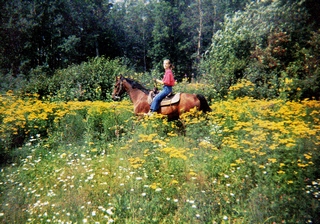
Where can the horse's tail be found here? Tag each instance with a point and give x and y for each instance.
(204, 106)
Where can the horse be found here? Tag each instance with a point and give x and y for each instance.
(139, 97)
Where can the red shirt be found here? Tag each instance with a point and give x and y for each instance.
(168, 78)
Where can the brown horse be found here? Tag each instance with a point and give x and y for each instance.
(139, 97)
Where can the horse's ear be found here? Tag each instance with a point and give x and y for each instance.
(134, 84)
(120, 77)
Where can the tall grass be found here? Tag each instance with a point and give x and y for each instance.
(248, 161)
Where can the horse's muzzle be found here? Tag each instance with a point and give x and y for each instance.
(116, 98)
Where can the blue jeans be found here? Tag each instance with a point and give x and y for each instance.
(160, 96)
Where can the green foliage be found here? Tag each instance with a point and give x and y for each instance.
(197, 86)
(92, 80)
(255, 46)
(304, 69)
(61, 33)
(65, 122)
(248, 161)
(241, 89)
(9, 82)
(39, 38)
(90, 125)
(54, 34)
(38, 82)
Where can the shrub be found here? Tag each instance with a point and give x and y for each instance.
(92, 80)
(62, 123)
(255, 46)
(197, 87)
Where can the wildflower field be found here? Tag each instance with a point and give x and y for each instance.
(247, 161)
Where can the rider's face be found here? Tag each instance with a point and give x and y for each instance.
(166, 64)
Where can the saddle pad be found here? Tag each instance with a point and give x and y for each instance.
(170, 100)
(166, 101)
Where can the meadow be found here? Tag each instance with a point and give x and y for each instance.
(247, 161)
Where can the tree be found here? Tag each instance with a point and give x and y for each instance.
(132, 25)
(264, 29)
(51, 33)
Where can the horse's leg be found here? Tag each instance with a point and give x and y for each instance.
(182, 127)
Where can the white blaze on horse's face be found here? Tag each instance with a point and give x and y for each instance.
(118, 90)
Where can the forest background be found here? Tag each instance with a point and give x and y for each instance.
(273, 44)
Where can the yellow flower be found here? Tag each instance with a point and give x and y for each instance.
(290, 145)
(171, 134)
(147, 138)
(288, 81)
(154, 186)
(136, 162)
(308, 156)
(302, 165)
(273, 146)
(146, 152)
(239, 161)
(272, 160)
(174, 182)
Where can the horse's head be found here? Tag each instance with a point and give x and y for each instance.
(118, 88)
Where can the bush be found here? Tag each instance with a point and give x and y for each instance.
(197, 86)
(254, 46)
(63, 123)
(92, 80)
(10, 83)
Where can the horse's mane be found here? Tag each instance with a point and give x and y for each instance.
(137, 85)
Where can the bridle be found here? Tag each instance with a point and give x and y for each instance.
(120, 88)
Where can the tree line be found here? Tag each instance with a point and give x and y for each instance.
(57, 33)
(224, 39)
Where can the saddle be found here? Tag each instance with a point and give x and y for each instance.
(167, 101)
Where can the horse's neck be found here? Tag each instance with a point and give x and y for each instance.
(136, 95)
